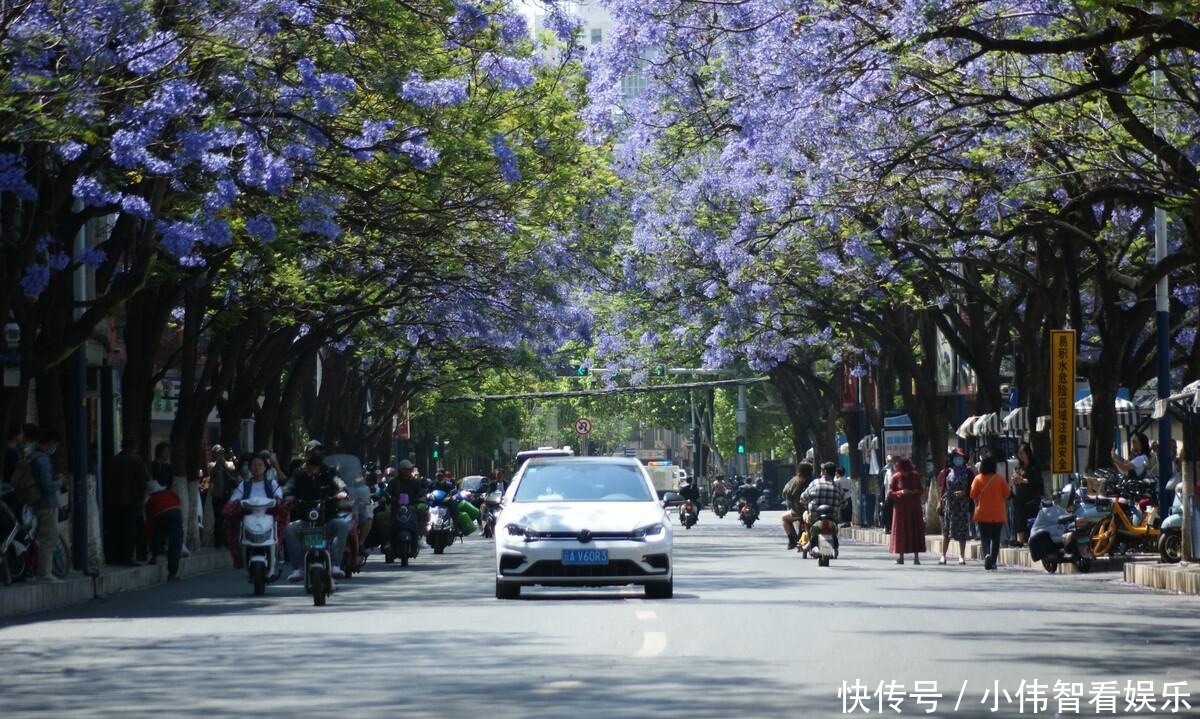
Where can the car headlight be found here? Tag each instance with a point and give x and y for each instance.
(651, 530)
(516, 530)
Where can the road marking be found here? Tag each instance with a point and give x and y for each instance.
(646, 616)
(653, 644)
(563, 685)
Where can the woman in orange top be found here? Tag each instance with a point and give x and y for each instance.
(990, 490)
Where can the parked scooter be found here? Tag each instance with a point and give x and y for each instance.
(1059, 537)
(1134, 522)
(18, 541)
(1170, 542)
(259, 542)
(689, 514)
(318, 565)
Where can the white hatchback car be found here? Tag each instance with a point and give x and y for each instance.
(583, 522)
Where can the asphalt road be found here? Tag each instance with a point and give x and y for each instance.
(752, 631)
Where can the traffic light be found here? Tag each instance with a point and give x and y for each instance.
(437, 448)
(741, 444)
(573, 369)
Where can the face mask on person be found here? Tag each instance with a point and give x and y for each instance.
(958, 461)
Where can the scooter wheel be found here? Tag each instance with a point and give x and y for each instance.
(258, 573)
(1084, 565)
(823, 562)
(316, 584)
(1050, 565)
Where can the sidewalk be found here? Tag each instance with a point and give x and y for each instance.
(1010, 556)
(29, 597)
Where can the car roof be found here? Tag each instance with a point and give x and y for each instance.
(569, 459)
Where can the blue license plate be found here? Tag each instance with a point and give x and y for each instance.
(585, 556)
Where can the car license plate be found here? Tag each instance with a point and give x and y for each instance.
(314, 541)
(585, 556)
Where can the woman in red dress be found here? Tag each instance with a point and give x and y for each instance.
(908, 520)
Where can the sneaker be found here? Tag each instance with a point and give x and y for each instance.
(296, 575)
(337, 572)
(941, 560)
(962, 560)
(185, 552)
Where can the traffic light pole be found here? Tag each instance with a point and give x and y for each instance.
(741, 427)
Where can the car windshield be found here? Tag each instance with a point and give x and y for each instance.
(473, 483)
(582, 482)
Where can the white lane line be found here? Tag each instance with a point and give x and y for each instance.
(564, 685)
(653, 644)
(646, 616)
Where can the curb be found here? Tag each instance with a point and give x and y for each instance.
(1174, 578)
(31, 597)
(1009, 556)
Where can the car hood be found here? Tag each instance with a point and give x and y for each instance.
(576, 516)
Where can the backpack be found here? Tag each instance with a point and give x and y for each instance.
(24, 483)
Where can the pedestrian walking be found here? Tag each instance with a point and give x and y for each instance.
(954, 503)
(990, 490)
(1030, 487)
(847, 486)
(885, 494)
(222, 477)
(124, 497)
(164, 526)
(908, 521)
(46, 508)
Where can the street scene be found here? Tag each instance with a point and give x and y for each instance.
(751, 631)
(599, 358)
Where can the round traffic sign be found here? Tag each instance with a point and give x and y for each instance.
(583, 426)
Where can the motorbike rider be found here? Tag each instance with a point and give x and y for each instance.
(259, 485)
(791, 494)
(823, 490)
(688, 490)
(749, 493)
(404, 481)
(496, 483)
(315, 482)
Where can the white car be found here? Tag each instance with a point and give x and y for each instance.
(583, 522)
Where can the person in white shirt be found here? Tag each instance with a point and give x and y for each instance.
(258, 485)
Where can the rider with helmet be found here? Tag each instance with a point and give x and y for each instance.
(316, 482)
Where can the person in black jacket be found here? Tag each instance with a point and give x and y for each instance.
(315, 482)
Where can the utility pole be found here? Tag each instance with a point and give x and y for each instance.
(1163, 321)
(741, 427)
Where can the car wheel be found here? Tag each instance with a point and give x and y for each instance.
(660, 590)
(507, 591)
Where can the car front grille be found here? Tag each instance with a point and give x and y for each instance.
(575, 535)
(551, 569)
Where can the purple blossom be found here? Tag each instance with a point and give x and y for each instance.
(153, 54)
(93, 257)
(12, 177)
(1186, 294)
(507, 73)
(35, 280)
(339, 33)
(513, 27)
(92, 193)
(261, 228)
(564, 26)
(179, 237)
(433, 93)
(319, 212)
(59, 260)
(421, 155)
(70, 150)
(468, 20)
(507, 159)
(137, 206)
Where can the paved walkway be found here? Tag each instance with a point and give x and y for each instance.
(1141, 569)
(29, 597)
